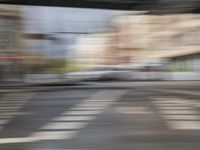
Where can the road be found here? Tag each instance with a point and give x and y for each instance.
(103, 116)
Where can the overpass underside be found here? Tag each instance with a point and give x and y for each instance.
(150, 6)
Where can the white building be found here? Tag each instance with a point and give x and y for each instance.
(89, 50)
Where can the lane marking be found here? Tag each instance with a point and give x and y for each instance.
(5, 117)
(10, 104)
(184, 125)
(133, 110)
(92, 112)
(3, 121)
(181, 117)
(170, 104)
(93, 105)
(64, 125)
(179, 91)
(16, 100)
(58, 149)
(87, 108)
(12, 114)
(17, 140)
(53, 135)
(8, 111)
(179, 112)
(9, 107)
(175, 108)
(74, 118)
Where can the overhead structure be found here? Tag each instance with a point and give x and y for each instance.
(152, 6)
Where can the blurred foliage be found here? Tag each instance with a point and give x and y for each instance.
(44, 64)
(179, 67)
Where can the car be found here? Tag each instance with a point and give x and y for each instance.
(85, 75)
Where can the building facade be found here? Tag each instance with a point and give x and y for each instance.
(157, 37)
(11, 43)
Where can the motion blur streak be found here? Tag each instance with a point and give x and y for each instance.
(99, 79)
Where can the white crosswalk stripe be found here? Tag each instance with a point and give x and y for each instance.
(74, 118)
(133, 110)
(178, 113)
(181, 117)
(87, 108)
(58, 149)
(184, 125)
(64, 125)
(175, 108)
(194, 93)
(3, 121)
(92, 112)
(53, 135)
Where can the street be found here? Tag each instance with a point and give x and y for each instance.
(102, 116)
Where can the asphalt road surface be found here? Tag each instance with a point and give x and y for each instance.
(103, 116)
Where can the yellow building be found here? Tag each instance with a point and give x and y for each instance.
(153, 37)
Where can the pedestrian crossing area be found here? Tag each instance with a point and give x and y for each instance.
(177, 112)
(10, 105)
(70, 122)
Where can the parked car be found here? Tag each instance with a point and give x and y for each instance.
(85, 75)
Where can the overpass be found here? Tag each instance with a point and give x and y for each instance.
(151, 6)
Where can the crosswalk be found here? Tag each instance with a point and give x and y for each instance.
(10, 105)
(70, 122)
(177, 113)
